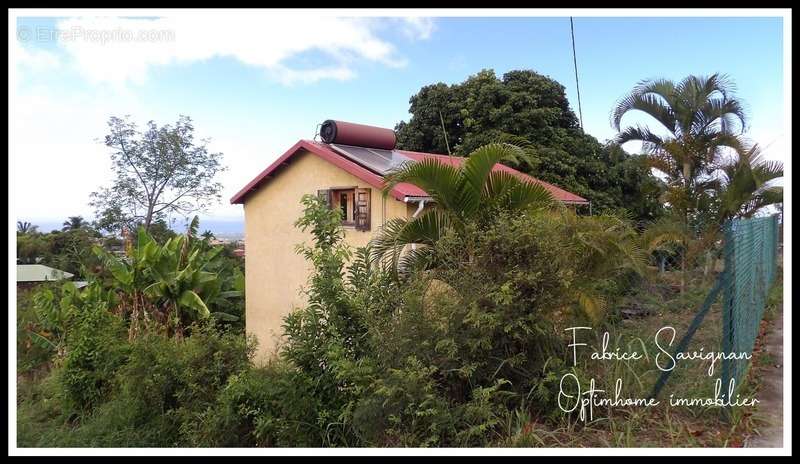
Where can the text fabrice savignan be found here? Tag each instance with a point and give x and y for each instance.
(572, 397)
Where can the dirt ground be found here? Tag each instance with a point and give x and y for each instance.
(770, 396)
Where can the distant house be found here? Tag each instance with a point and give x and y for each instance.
(239, 252)
(347, 171)
(29, 275)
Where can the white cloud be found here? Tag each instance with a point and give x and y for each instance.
(55, 158)
(120, 50)
(417, 27)
(34, 59)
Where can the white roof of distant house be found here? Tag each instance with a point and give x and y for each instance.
(40, 273)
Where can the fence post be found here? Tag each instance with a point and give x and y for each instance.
(728, 298)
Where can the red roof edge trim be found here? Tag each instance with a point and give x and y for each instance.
(324, 153)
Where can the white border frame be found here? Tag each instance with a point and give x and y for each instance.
(785, 14)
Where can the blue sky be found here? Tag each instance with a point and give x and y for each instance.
(255, 84)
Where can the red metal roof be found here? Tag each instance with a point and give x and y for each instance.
(558, 193)
(400, 191)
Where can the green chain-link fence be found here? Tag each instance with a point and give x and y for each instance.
(751, 258)
(750, 252)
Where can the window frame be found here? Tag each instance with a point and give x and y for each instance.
(361, 220)
(351, 203)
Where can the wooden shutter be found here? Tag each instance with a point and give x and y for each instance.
(325, 196)
(362, 213)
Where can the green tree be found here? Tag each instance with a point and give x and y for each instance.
(70, 250)
(159, 171)
(471, 192)
(173, 284)
(26, 227)
(31, 248)
(699, 118)
(531, 111)
(746, 187)
(74, 223)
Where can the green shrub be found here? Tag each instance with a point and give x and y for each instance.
(33, 353)
(95, 347)
(270, 406)
(94, 354)
(168, 382)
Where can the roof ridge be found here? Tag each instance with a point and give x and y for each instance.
(375, 179)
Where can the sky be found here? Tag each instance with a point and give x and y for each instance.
(255, 82)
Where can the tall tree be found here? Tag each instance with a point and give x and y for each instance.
(698, 119)
(159, 171)
(531, 111)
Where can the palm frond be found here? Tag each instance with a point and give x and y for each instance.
(504, 190)
(398, 233)
(479, 165)
(650, 141)
(441, 181)
(655, 97)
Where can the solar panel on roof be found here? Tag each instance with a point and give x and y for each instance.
(375, 159)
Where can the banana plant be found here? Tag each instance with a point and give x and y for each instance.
(173, 283)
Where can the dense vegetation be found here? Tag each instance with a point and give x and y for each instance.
(447, 330)
(530, 110)
(712, 173)
(438, 358)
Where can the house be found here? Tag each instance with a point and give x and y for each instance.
(347, 169)
(29, 275)
(239, 252)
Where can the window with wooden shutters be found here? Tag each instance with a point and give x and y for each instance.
(353, 202)
(362, 212)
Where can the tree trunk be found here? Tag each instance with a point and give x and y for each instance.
(686, 182)
(148, 218)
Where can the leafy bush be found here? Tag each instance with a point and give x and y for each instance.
(95, 349)
(86, 340)
(269, 406)
(158, 394)
(451, 355)
(167, 382)
(33, 352)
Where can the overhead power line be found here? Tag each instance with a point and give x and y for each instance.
(575, 63)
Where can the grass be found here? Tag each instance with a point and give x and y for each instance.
(662, 425)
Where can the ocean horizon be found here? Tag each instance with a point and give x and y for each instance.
(222, 228)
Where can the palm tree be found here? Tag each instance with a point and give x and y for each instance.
(26, 227)
(208, 235)
(471, 192)
(701, 119)
(745, 186)
(74, 223)
(700, 115)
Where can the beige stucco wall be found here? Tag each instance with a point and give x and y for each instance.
(274, 272)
